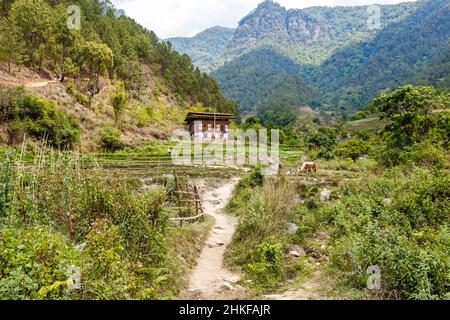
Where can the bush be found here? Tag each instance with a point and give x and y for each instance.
(426, 154)
(35, 263)
(352, 149)
(46, 120)
(396, 222)
(264, 212)
(266, 269)
(41, 118)
(46, 212)
(110, 139)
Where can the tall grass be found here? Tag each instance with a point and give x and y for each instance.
(264, 207)
(67, 198)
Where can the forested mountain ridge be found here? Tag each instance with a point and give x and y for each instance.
(266, 79)
(347, 65)
(414, 50)
(206, 48)
(308, 36)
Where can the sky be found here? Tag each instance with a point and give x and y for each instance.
(175, 18)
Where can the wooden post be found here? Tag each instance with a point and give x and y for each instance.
(177, 193)
(198, 205)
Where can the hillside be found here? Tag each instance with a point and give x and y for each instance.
(308, 36)
(110, 55)
(336, 54)
(398, 54)
(265, 79)
(206, 48)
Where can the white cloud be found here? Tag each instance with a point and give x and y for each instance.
(170, 18)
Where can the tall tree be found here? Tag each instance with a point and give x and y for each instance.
(99, 58)
(33, 19)
(119, 100)
(11, 48)
(64, 38)
(409, 111)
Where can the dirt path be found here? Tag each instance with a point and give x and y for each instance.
(39, 84)
(210, 280)
(315, 284)
(29, 84)
(314, 288)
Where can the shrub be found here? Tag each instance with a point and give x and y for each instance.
(264, 212)
(353, 149)
(41, 118)
(266, 269)
(35, 263)
(110, 139)
(47, 211)
(46, 120)
(397, 223)
(426, 154)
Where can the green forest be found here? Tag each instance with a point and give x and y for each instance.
(353, 64)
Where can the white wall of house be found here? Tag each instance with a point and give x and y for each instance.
(210, 132)
(198, 129)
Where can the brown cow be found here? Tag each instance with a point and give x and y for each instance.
(309, 167)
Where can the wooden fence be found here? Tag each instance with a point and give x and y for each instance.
(187, 200)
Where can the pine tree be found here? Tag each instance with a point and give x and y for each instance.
(11, 48)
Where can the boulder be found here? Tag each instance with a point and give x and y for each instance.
(325, 195)
(291, 228)
(295, 254)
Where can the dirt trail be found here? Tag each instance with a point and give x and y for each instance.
(29, 84)
(210, 280)
(39, 84)
(314, 288)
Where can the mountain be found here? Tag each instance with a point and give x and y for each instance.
(206, 48)
(408, 51)
(308, 36)
(333, 51)
(265, 79)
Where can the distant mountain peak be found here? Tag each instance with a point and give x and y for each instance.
(215, 30)
(270, 4)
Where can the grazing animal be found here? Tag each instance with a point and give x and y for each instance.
(309, 167)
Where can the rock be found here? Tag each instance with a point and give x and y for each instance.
(80, 247)
(195, 294)
(239, 288)
(387, 201)
(295, 254)
(233, 279)
(299, 250)
(325, 195)
(323, 247)
(226, 286)
(215, 244)
(291, 228)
